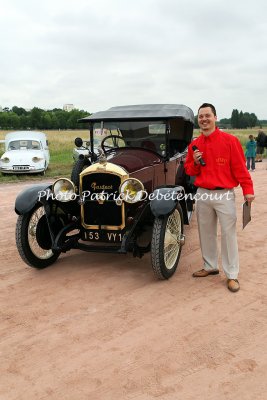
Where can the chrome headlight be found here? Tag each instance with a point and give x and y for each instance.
(131, 190)
(64, 190)
(37, 159)
(5, 159)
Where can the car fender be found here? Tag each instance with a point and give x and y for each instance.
(28, 198)
(164, 200)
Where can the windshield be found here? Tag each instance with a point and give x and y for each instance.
(24, 145)
(150, 135)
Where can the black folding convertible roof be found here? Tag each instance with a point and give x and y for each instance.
(142, 112)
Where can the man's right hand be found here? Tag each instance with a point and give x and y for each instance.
(197, 156)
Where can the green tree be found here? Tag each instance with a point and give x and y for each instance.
(247, 120)
(4, 120)
(13, 120)
(241, 121)
(235, 119)
(19, 110)
(62, 119)
(35, 118)
(24, 121)
(46, 122)
(54, 121)
(253, 120)
(225, 121)
(72, 117)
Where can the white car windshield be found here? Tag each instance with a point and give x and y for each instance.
(24, 145)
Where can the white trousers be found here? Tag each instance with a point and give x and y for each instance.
(211, 206)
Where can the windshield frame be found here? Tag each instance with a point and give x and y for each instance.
(136, 133)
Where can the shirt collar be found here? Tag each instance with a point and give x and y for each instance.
(212, 135)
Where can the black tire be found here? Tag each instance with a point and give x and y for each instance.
(78, 167)
(33, 239)
(44, 171)
(164, 266)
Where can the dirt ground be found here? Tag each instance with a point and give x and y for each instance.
(100, 327)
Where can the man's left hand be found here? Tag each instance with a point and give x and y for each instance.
(249, 197)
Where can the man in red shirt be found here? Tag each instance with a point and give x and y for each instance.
(224, 169)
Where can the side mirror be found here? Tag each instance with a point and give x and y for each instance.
(78, 142)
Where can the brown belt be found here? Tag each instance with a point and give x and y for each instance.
(216, 188)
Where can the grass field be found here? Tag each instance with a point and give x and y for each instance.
(61, 144)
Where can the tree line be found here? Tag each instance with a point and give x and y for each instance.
(238, 120)
(18, 118)
(243, 120)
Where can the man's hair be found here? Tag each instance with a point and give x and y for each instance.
(204, 105)
(250, 137)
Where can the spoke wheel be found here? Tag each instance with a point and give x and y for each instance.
(166, 244)
(33, 239)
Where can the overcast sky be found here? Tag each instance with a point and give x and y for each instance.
(101, 53)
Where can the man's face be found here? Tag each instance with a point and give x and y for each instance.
(206, 120)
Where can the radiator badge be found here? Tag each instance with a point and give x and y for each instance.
(101, 187)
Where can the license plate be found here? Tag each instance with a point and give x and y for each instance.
(21, 168)
(98, 236)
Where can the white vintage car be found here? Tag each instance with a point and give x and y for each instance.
(25, 152)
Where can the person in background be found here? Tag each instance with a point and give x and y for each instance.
(251, 153)
(224, 169)
(261, 140)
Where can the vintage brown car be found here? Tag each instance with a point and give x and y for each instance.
(133, 196)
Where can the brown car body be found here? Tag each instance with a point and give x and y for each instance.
(133, 196)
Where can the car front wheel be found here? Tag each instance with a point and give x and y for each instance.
(33, 239)
(166, 243)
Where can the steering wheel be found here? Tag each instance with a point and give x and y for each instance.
(113, 143)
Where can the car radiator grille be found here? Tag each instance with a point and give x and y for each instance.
(108, 213)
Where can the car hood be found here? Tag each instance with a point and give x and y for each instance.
(23, 155)
(134, 159)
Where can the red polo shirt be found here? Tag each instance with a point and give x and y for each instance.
(225, 162)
